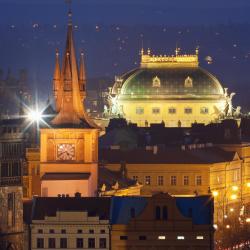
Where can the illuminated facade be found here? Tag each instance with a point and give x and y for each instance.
(69, 149)
(169, 89)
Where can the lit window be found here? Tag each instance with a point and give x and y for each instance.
(139, 110)
(156, 111)
(199, 237)
(180, 238)
(188, 82)
(172, 110)
(186, 180)
(198, 180)
(188, 110)
(160, 181)
(156, 82)
(204, 110)
(173, 180)
(147, 180)
(161, 237)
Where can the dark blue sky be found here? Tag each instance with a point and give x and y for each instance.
(128, 11)
(220, 27)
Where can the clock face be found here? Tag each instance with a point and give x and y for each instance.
(66, 151)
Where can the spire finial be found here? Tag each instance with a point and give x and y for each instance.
(69, 2)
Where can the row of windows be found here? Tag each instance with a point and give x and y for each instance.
(162, 237)
(63, 243)
(79, 231)
(140, 110)
(173, 180)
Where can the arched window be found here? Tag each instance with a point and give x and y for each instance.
(165, 213)
(157, 213)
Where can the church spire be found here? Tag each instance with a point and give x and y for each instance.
(71, 110)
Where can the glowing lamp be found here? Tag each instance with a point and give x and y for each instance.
(231, 209)
(248, 184)
(227, 226)
(215, 193)
(248, 220)
(235, 188)
(233, 196)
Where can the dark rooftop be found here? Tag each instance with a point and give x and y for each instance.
(173, 155)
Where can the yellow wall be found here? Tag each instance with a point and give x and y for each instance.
(171, 120)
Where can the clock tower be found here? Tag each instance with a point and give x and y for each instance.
(69, 148)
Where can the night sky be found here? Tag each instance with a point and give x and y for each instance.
(111, 34)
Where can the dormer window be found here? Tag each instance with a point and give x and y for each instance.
(188, 82)
(156, 82)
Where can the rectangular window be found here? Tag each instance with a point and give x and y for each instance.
(161, 237)
(172, 110)
(91, 243)
(204, 110)
(51, 231)
(102, 231)
(91, 231)
(186, 180)
(123, 237)
(147, 180)
(198, 180)
(173, 181)
(199, 237)
(40, 231)
(40, 243)
(156, 111)
(160, 181)
(188, 110)
(63, 243)
(79, 243)
(180, 238)
(142, 237)
(63, 231)
(79, 231)
(103, 243)
(139, 110)
(52, 243)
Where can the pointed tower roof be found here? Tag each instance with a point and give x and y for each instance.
(71, 112)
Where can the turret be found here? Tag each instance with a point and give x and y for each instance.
(57, 81)
(82, 77)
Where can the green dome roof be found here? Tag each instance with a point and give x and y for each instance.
(166, 82)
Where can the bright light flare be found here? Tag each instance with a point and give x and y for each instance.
(235, 188)
(34, 116)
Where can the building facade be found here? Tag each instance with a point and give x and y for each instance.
(69, 148)
(172, 90)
